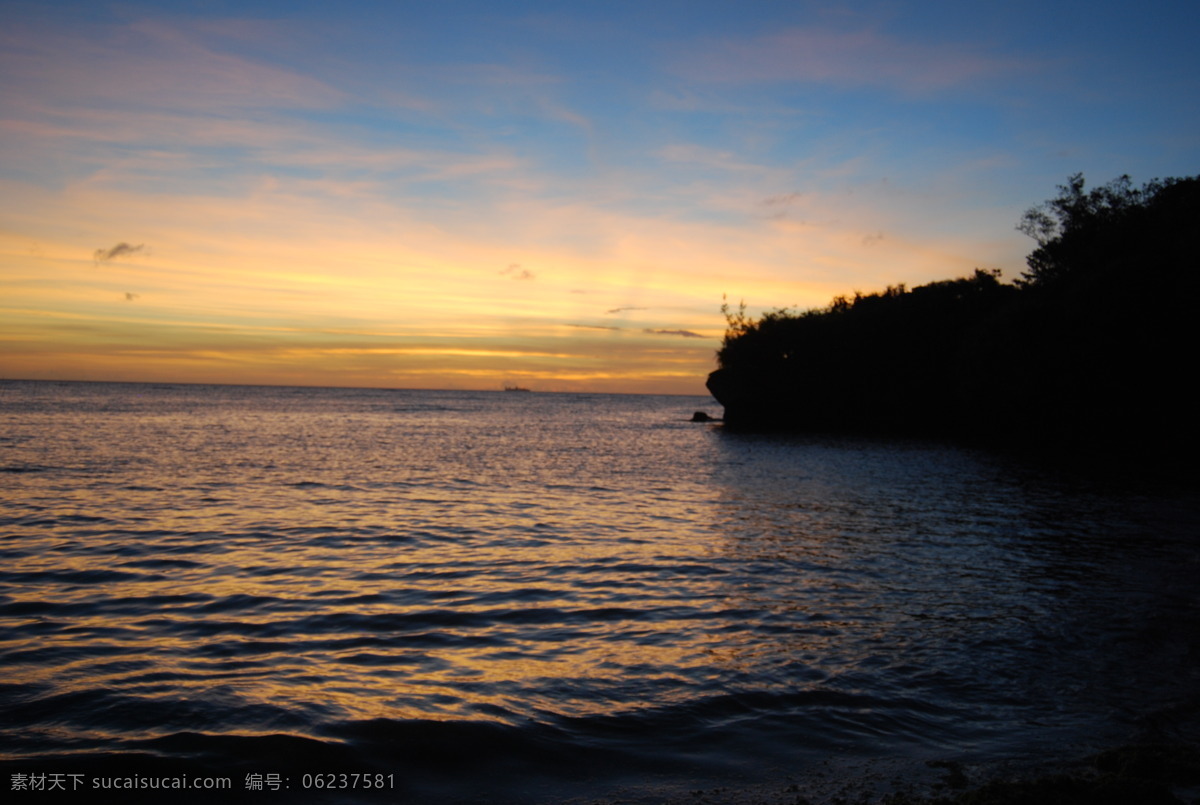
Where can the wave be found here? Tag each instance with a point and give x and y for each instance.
(487, 608)
(498, 756)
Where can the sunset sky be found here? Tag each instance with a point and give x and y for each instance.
(467, 194)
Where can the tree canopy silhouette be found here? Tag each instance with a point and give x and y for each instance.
(1096, 340)
(1114, 226)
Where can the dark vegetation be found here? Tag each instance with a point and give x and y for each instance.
(1096, 340)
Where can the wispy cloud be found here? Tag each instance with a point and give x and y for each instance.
(321, 172)
(842, 58)
(514, 271)
(122, 249)
(709, 157)
(135, 81)
(680, 333)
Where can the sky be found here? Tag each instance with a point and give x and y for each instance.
(557, 195)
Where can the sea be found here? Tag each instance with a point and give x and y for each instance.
(345, 595)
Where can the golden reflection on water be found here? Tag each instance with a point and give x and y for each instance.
(287, 573)
(556, 626)
(549, 605)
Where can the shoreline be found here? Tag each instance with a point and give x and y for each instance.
(1162, 773)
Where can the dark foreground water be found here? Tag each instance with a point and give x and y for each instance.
(531, 597)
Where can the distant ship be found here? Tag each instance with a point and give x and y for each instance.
(510, 387)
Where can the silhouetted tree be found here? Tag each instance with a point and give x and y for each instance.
(1108, 314)
(1096, 343)
(1115, 223)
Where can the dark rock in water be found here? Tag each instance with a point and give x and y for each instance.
(760, 400)
(700, 416)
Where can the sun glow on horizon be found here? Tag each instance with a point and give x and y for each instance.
(289, 196)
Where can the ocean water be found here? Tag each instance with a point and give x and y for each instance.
(474, 596)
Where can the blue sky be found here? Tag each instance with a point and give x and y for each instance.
(557, 194)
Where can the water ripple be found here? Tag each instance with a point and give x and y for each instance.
(421, 582)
